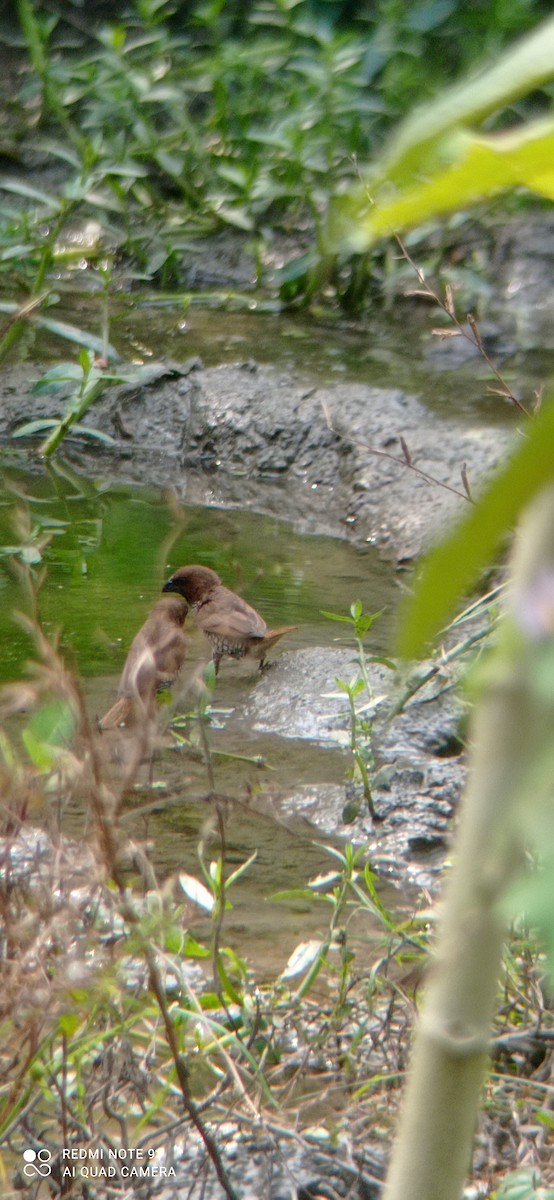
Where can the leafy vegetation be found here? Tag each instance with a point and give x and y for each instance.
(360, 685)
(150, 130)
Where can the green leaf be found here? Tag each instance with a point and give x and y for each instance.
(353, 688)
(210, 676)
(174, 939)
(454, 565)
(298, 894)
(230, 989)
(383, 662)
(436, 164)
(523, 1185)
(32, 427)
(94, 435)
(194, 949)
(240, 870)
(85, 360)
(57, 378)
(54, 723)
(238, 217)
(531, 896)
(69, 1023)
(523, 68)
(336, 617)
(80, 336)
(50, 729)
(365, 622)
(476, 167)
(18, 188)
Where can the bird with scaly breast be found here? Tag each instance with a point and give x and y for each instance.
(234, 629)
(153, 663)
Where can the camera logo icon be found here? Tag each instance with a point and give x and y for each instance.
(37, 1162)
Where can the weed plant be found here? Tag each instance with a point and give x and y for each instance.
(360, 687)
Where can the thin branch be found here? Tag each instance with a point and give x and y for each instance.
(473, 335)
(403, 460)
(183, 1077)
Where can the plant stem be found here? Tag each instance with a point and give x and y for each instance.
(35, 46)
(513, 732)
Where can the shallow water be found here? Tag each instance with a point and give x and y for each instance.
(398, 349)
(112, 548)
(110, 551)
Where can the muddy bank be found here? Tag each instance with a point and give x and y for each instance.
(248, 436)
(418, 759)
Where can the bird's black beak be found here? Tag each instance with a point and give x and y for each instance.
(170, 586)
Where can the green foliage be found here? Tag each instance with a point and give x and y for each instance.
(155, 129)
(50, 729)
(360, 715)
(453, 566)
(523, 1185)
(436, 162)
(90, 382)
(348, 891)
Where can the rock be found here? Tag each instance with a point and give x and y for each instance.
(258, 439)
(418, 756)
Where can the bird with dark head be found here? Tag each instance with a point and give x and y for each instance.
(153, 663)
(234, 629)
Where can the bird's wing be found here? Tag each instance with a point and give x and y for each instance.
(169, 653)
(229, 617)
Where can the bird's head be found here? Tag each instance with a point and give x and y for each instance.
(194, 583)
(173, 608)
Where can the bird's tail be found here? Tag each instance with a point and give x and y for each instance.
(119, 714)
(273, 635)
(260, 649)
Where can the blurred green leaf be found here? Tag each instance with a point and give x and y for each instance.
(453, 566)
(80, 336)
(523, 1185)
(50, 729)
(475, 167)
(56, 378)
(336, 617)
(20, 188)
(69, 1023)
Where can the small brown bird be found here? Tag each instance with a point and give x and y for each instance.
(154, 660)
(233, 628)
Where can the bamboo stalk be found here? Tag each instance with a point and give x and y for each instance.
(513, 729)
